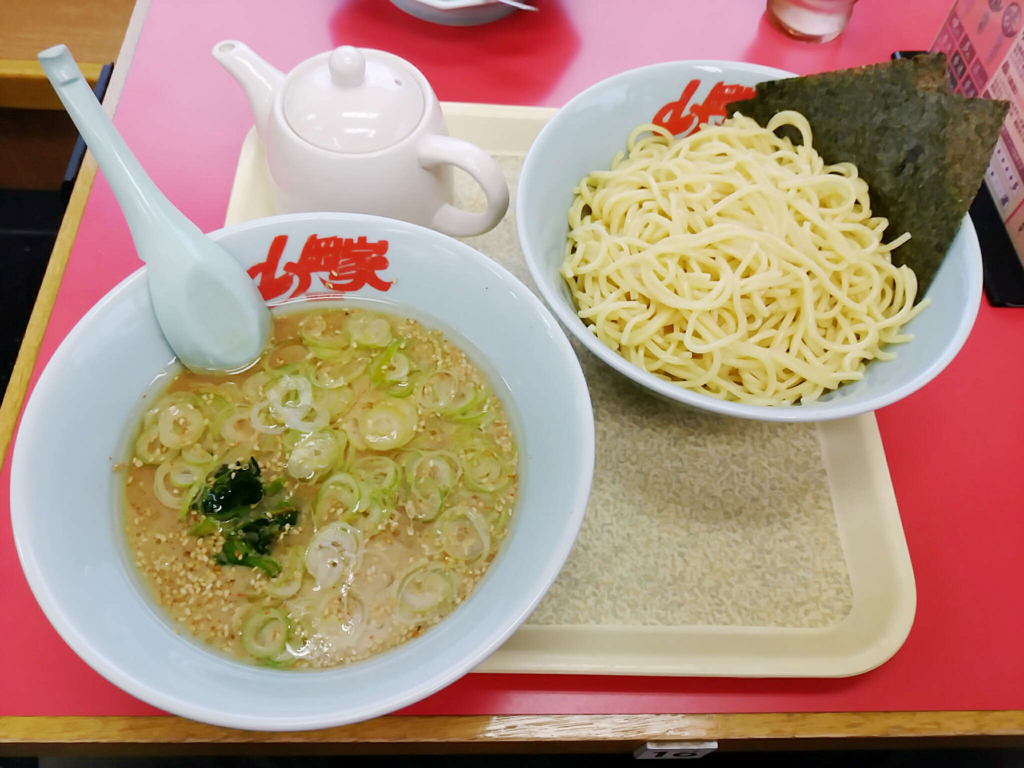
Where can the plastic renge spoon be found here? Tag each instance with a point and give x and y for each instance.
(208, 307)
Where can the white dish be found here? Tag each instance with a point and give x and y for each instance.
(584, 136)
(69, 533)
(456, 13)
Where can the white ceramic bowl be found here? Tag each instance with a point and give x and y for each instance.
(456, 13)
(68, 522)
(584, 136)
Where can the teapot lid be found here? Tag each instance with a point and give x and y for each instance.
(362, 101)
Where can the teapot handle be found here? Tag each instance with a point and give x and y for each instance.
(435, 150)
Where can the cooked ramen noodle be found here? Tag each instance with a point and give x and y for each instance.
(332, 502)
(733, 263)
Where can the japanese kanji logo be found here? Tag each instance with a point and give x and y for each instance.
(681, 122)
(342, 264)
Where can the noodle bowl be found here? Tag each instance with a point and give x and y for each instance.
(737, 264)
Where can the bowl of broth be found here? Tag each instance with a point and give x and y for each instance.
(345, 527)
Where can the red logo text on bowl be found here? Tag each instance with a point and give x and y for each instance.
(342, 264)
(680, 121)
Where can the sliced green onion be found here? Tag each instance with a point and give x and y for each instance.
(284, 355)
(235, 425)
(269, 444)
(181, 424)
(423, 501)
(430, 476)
(346, 399)
(289, 581)
(442, 391)
(283, 660)
(485, 467)
(339, 495)
(350, 424)
(190, 495)
(205, 527)
(369, 330)
(389, 424)
(230, 391)
(335, 551)
(328, 354)
(212, 401)
(496, 513)
(264, 419)
(253, 387)
(428, 352)
(290, 392)
(265, 633)
(306, 418)
(479, 411)
(391, 371)
(343, 447)
(150, 417)
(290, 438)
(185, 475)
(274, 487)
(371, 515)
(325, 398)
(338, 373)
(440, 467)
(313, 455)
(337, 402)
(377, 473)
(303, 369)
(424, 592)
(177, 398)
(465, 534)
(197, 454)
(150, 449)
(324, 329)
(212, 442)
(300, 642)
(498, 519)
(169, 496)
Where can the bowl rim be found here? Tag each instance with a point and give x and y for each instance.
(790, 414)
(143, 689)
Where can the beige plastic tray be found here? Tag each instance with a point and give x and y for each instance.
(711, 546)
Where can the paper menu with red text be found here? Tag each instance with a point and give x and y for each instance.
(984, 43)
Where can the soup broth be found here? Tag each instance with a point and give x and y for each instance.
(333, 501)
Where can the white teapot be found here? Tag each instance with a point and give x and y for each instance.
(361, 131)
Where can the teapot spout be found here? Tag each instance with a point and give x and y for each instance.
(258, 79)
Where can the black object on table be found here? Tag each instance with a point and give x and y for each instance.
(1004, 273)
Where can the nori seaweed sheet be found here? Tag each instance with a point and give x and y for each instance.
(922, 151)
(921, 73)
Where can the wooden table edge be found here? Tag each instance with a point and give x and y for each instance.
(23, 84)
(51, 734)
(45, 735)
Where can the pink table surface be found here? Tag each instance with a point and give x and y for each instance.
(953, 448)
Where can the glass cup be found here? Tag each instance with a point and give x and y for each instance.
(816, 21)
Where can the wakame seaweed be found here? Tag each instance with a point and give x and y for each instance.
(240, 553)
(249, 515)
(232, 486)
